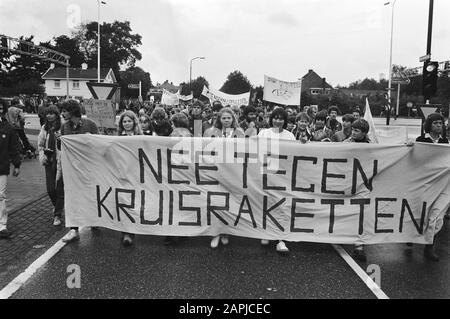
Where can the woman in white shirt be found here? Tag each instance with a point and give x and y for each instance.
(278, 122)
(226, 126)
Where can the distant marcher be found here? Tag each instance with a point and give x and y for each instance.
(16, 118)
(356, 113)
(9, 152)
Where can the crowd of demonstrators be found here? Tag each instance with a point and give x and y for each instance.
(196, 119)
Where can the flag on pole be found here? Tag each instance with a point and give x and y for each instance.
(368, 117)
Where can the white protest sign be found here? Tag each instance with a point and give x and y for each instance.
(226, 99)
(282, 92)
(169, 98)
(102, 112)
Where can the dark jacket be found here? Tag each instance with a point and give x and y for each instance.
(426, 139)
(9, 147)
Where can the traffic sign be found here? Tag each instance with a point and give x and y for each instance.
(425, 58)
(400, 81)
(133, 86)
(102, 91)
(409, 105)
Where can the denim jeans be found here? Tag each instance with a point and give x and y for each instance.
(55, 190)
(3, 213)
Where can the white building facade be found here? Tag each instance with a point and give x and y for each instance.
(55, 81)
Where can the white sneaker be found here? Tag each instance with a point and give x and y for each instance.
(56, 221)
(215, 241)
(71, 236)
(281, 247)
(224, 240)
(264, 242)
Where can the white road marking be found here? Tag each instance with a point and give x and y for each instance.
(21, 279)
(361, 273)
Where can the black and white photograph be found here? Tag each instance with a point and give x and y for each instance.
(224, 157)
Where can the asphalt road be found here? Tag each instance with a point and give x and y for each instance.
(243, 269)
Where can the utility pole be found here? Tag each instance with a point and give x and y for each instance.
(430, 32)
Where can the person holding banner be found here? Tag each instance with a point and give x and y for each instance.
(144, 122)
(48, 156)
(301, 131)
(160, 124)
(321, 133)
(74, 124)
(227, 127)
(278, 122)
(346, 132)
(180, 125)
(434, 133)
(434, 130)
(360, 129)
(128, 126)
(332, 122)
(195, 119)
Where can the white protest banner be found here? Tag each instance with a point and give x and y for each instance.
(282, 92)
(169, 98)
(226, 99)
(185, 97)
(102, 112)
(388, 134)
(319, 192)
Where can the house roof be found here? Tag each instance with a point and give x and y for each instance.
(315, 80)
(168, 86)
(74, 73)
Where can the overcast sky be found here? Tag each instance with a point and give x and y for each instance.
(342, 40)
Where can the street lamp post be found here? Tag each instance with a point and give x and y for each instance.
(98, 39)
(190, 69)
(390, 58)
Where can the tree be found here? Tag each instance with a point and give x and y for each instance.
(196, 86)
(117, 44)
(132, 76)
(71, 47)
(21, 74)
(236, 83)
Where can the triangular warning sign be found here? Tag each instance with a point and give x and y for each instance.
(102, 91)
